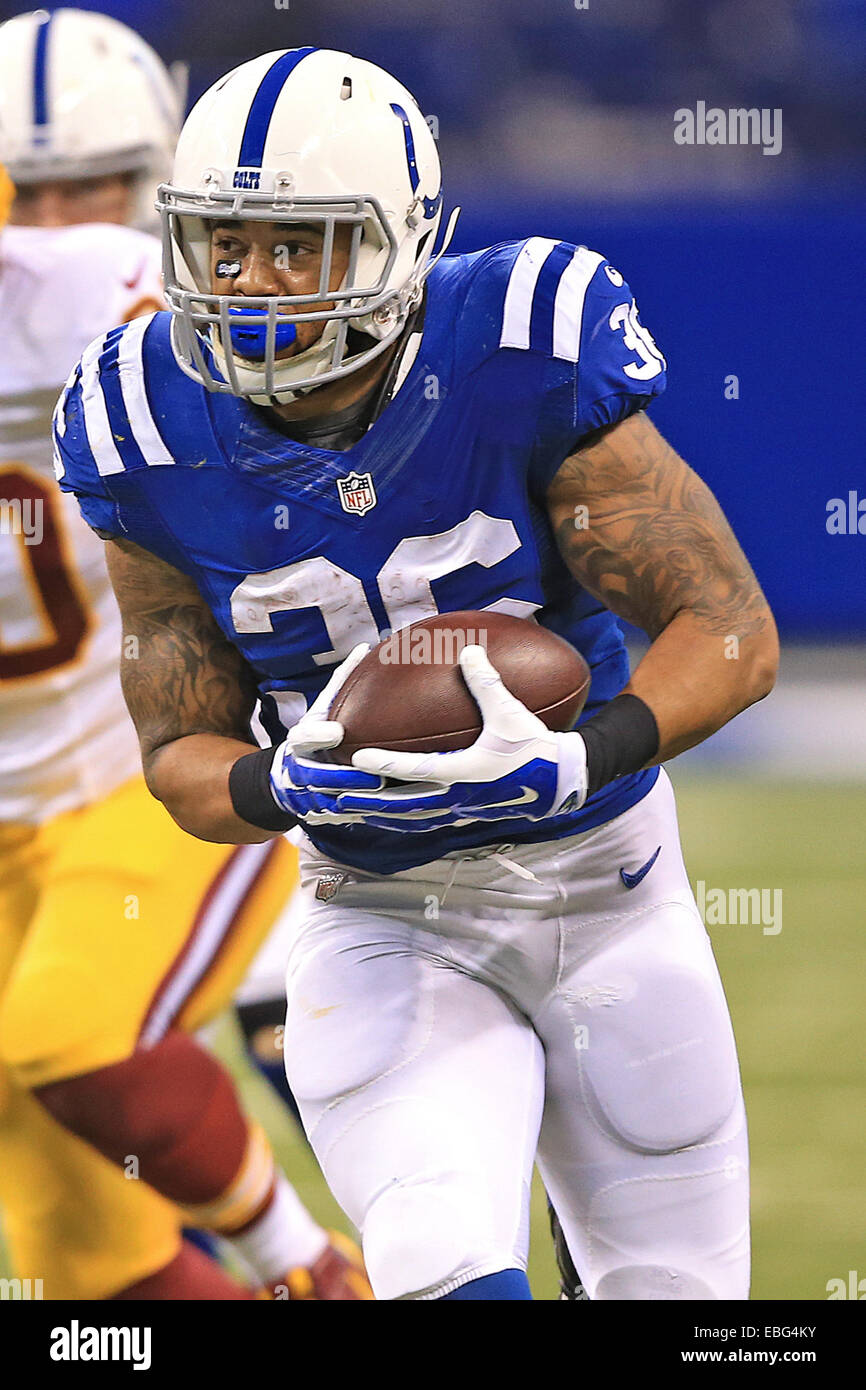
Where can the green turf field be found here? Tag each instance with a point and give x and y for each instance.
(797, 1003)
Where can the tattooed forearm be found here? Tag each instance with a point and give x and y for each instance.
(642, 532)
(180, 675)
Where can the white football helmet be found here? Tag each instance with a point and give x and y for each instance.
(299, 136)
(81, 95)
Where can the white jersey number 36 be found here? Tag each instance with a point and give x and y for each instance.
(404, 583)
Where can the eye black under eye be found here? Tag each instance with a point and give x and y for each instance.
(227, 270)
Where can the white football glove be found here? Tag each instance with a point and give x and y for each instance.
(516, 768)
(299, 783)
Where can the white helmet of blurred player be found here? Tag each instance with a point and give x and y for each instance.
(300, 136)
(82, 96)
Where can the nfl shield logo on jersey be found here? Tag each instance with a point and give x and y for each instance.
(357, 493)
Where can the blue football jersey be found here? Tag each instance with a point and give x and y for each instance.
(302, 552)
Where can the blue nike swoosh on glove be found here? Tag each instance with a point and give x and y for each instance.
(632, 880)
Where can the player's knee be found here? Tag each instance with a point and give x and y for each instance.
(150, 1101)
(666, 1075)
(653, 1282)
(419, 1237)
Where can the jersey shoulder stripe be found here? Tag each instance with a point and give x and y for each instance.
(545, 296)
(58, 419)
(520, 292)
(100, 437)
(121, 431)
(130, 366)
(129, 411)
(569, 303)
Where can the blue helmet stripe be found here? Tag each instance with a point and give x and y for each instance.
(414, 176)
(40, 73)
(262, 108)
(430, 204)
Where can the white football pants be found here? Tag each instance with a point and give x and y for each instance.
(449, 1025)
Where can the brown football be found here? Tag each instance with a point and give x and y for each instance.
(408, 694)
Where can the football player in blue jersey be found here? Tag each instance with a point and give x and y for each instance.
(329, 436)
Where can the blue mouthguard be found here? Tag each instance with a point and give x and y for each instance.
(248, 339)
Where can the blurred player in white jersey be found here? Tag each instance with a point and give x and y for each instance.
(119, 934)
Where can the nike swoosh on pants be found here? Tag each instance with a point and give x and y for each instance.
(632, 880)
